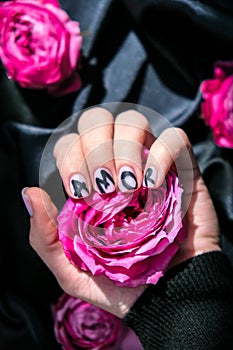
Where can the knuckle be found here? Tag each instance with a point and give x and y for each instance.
(91, 150)
(175, 141)
(96, 147)
(133, 118)
(64, 143)
(182, 134)
(168, 144)
(94, 117)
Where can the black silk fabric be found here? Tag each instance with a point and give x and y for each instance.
(153, 53)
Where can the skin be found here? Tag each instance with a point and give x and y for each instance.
(102, 142)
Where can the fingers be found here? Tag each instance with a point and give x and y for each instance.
(104, 155)
(172, 147)
(96, 127)
(86, 161)
(107, 154)
(131, 133)
(72, 166)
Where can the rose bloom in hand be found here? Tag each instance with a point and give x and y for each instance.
(129, 237)
(40, 45)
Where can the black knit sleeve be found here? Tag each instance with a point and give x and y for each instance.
(191, 307)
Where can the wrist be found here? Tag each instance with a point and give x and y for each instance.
(184, 255)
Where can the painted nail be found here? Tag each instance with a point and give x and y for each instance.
(149, 177)
(127, 179)
(27, 201)
(78, 186)
(104, 181)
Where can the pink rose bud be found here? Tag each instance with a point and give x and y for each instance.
(40, 45)
(217, 107)
(128, 237)
(80, 325)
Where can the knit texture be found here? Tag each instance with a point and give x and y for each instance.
(190, 307)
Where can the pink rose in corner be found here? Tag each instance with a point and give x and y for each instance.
(129, 237)
(40, 45)
(217, 107)
(80, 325)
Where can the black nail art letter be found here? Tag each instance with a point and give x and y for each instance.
(79, 187)
(128, 184)
(103, 183)
(148, 178)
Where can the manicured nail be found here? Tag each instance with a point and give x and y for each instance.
(149, 177)
(127, 179)
(27, 202)
(78, 186)
(104, 181)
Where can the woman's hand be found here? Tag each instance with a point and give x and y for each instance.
(104, 155)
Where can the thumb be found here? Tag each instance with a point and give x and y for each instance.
(44, 239)
(43, 214)
(43, 233)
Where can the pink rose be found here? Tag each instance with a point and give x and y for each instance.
(217, 108)
(40, 45)
(80, 325)
(129, 237)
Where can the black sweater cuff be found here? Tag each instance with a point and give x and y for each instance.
(191, 307)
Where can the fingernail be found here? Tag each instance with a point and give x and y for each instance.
(104, 181)
(78, 186)
(27, 202)
(149, 177)
(127, 179)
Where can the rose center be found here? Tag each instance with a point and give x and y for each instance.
(131, 213)
(23, 36)
(29, 36)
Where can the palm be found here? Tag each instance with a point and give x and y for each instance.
(201, 223)
(100, 290)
